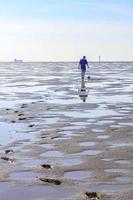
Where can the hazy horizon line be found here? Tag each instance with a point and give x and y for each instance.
(59, 61)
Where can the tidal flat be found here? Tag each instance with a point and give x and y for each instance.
(53, 146)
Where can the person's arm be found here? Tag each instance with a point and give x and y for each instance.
(87, 64)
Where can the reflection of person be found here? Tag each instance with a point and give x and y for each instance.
(82, 65)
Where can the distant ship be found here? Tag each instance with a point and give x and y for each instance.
(18, 60)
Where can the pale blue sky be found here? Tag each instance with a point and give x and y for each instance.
(55, 30)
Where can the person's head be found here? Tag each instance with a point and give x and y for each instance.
(84, 57)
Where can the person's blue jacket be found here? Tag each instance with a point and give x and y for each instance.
(83, 62)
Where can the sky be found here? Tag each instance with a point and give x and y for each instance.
(65, 30)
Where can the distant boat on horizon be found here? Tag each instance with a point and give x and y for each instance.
(18, 60)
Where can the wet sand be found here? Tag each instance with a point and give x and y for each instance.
(54, 146)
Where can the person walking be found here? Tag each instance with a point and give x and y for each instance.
(82, 65)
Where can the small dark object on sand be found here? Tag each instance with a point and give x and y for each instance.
(22, 118)
(93, 196)
(54, 181)
(16, 111)
(20, 114)
(7, 109)
(11, 160)
(89, 77)
(31, 125)
(8, 151)
(13, 121)
(46, 166)
(5, 158)
(23, 105)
